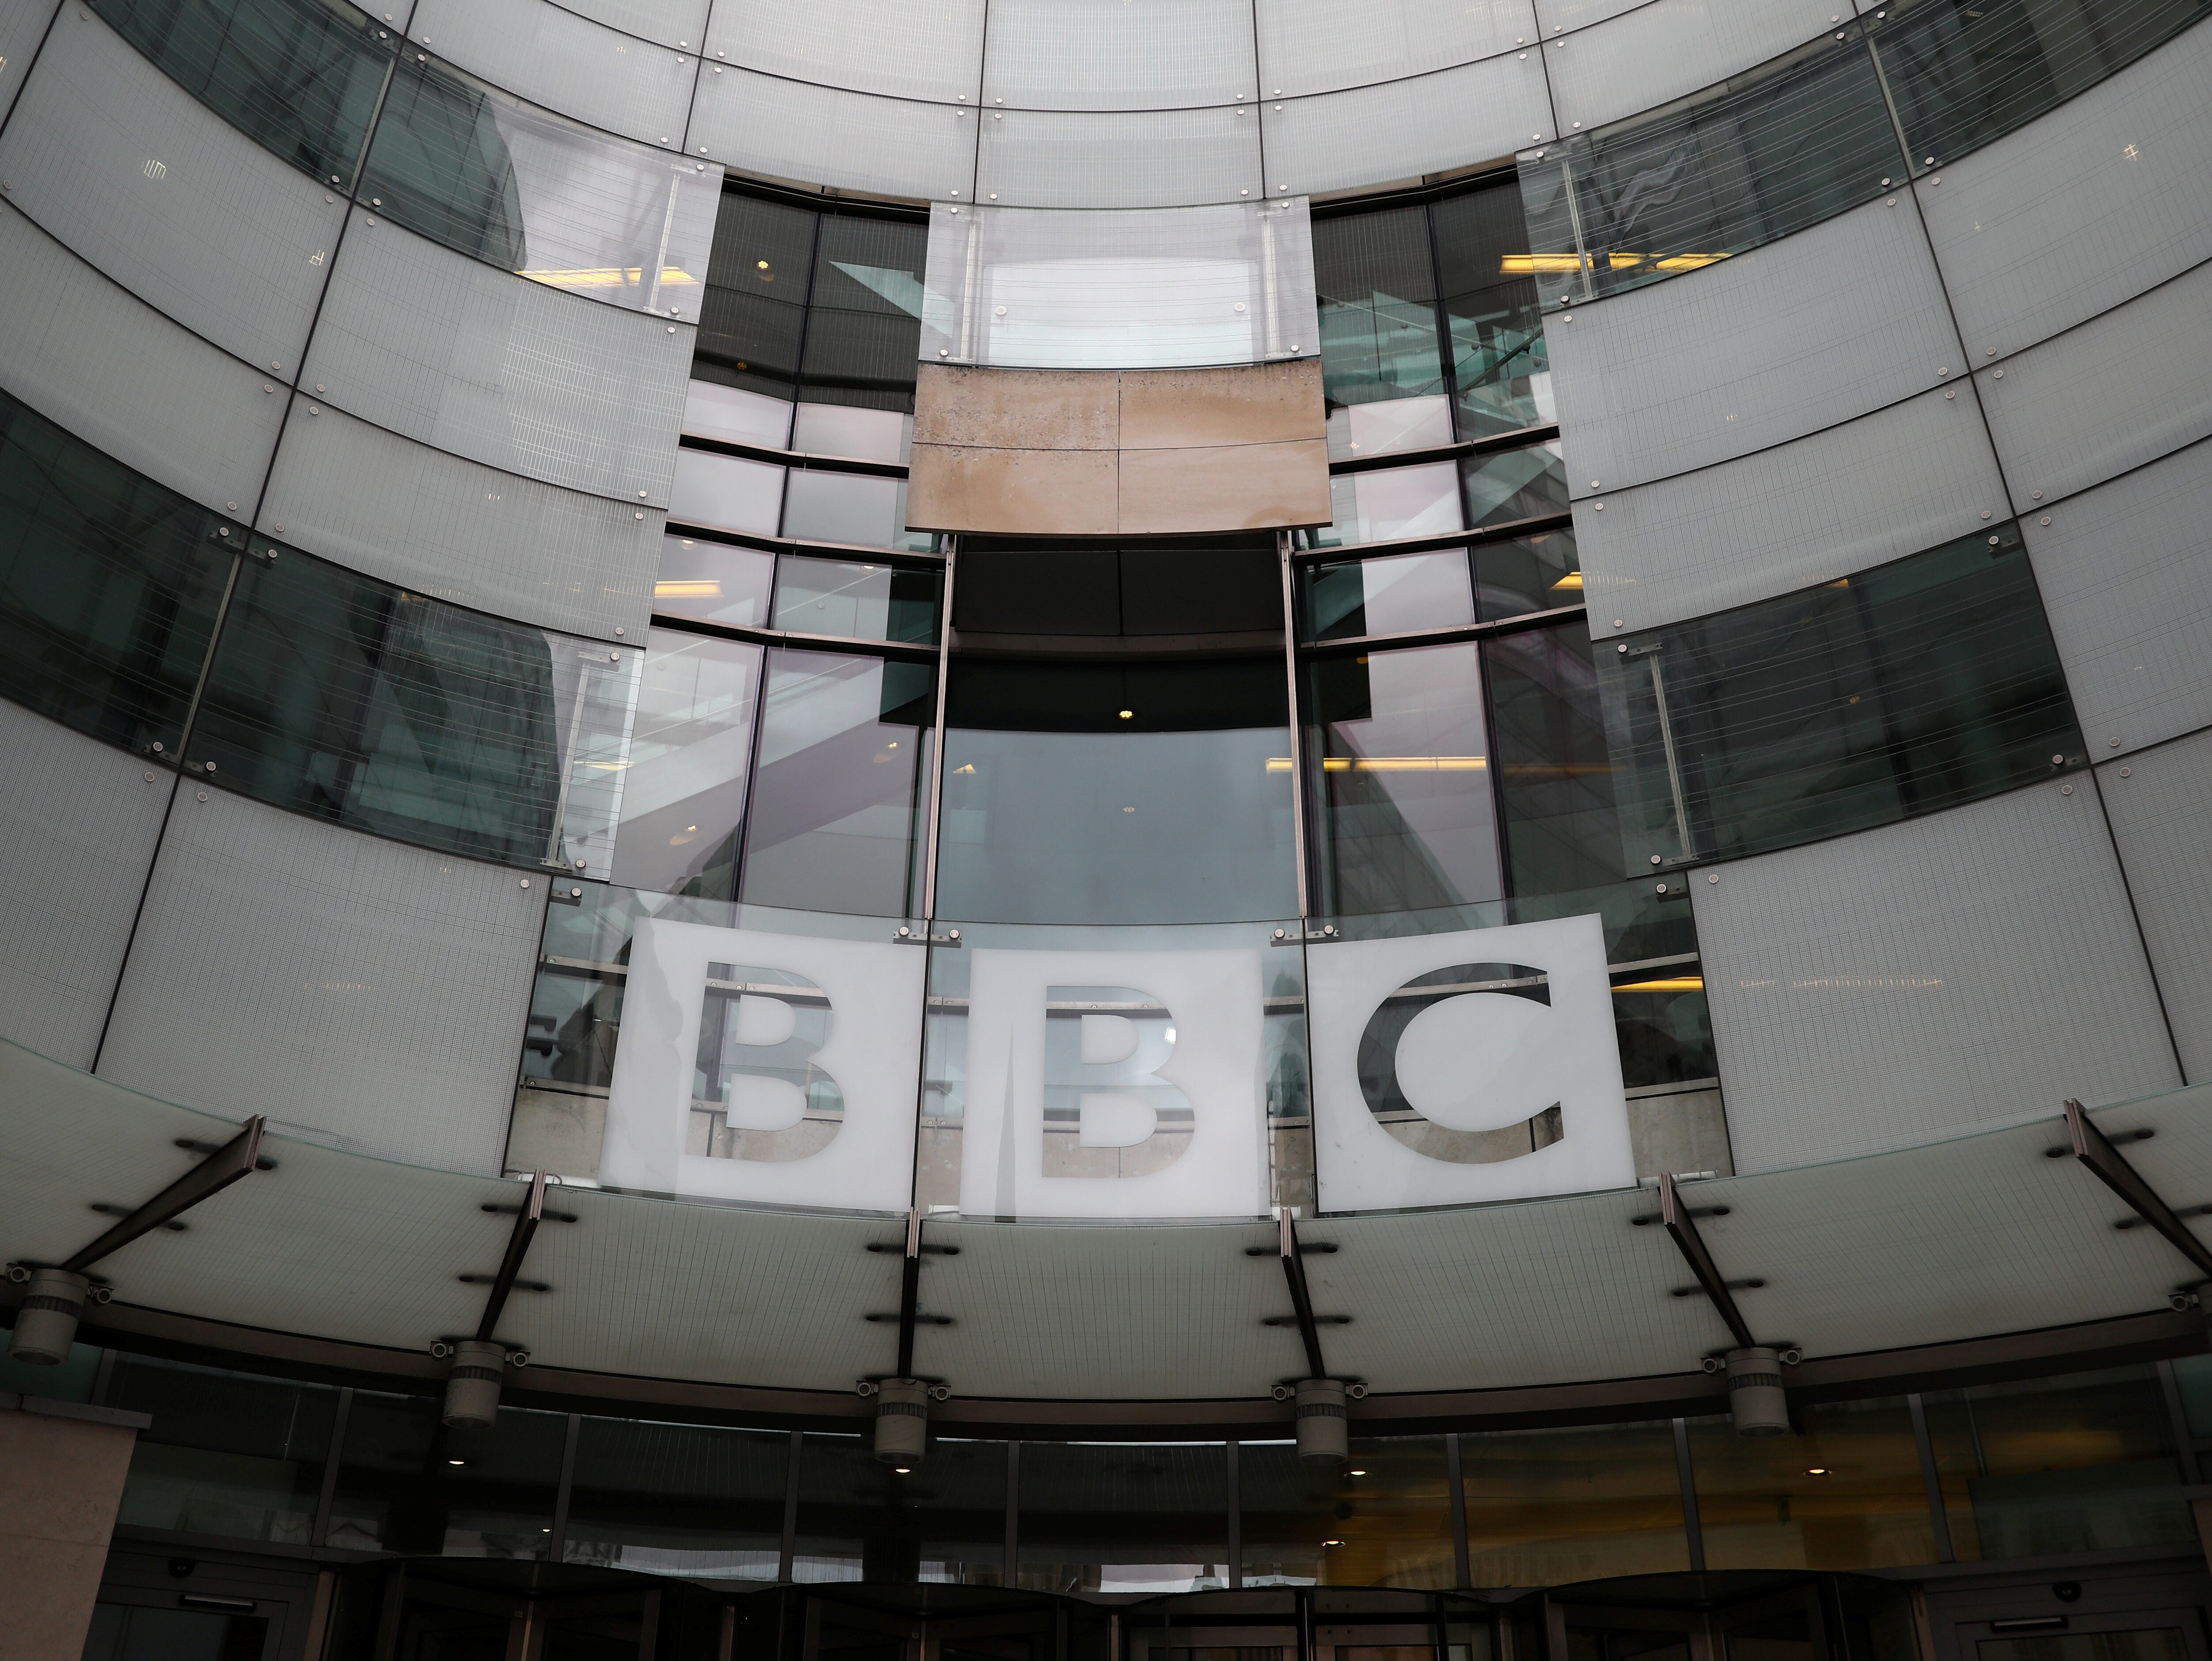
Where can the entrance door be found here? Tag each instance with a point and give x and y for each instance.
(2119, 1617)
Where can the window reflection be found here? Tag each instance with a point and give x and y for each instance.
(1391, 501)
(842, 747)
(1404, 788)
(1540, 572)
(1376, 286)
(1842, 1491)
(1123, 1517)
(943, 1521)
(754, 313)
(697, 1500)
(407, 1483)
(729, 493)
(227, 1453)
(684, 791)
(1496, 335)
(1554, 773)
(1395, 594)
(1549, 1507)
(1383, 1519)
(853, 597)
(1512, 485)
(714, 581)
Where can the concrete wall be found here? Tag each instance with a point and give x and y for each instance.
(61, 1468)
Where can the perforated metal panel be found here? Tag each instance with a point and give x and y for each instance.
(116, 160)
(2083, 208)
(1888, 485)
(371, 993)
(1553, 16)
(1370, 135)
(1783, 341)
(2159, 811)
(507, 371)
(78, 827)
(1118, 159)
(119, 374)
(2126, 575)
(933, 52)
(681, 23)
(1652, 53)
(442, 525)
(21, 28)
(758, 124)
(1912, 982)
(1184, 1304)
(2122, 389)
(1309, 46)
(1118, 54)
(552, 56)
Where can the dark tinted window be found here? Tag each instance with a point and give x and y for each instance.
(944, 1520)
(864, 325)
(1554, 775)
(227, 1453)
(1377, 287)
(693, 1500)
(1496, 337)
(1098, 1518)
(1220, 586)
(408, 1483)
(755, 308)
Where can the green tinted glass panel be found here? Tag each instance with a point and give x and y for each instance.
(1778, 148)
(341, 696)
(853, 597)
(1377, 293)
(1500, 370)
(864, 325)
(440, 165)
(751, 321)
(1919, 685)
(298, 77)
(109, 588)
(1964, 71)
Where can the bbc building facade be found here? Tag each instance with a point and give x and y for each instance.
(1105, 829)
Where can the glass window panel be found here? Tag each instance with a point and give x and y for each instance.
(1511, 484)
(1964, 71)
(691, 1500)
(1390, 502)
(2046, 1466)
(842, 743)
(1544, 1508)
(1499, 369)
(1124, 1518)
(852, 596)
(1404, 797)
(684, 791)
(1104, 793)
(1918, 686)
(1375, 283)
(736, 415)
(943, 1521)
(2192, 1375)
(575, 1017)
(298, 77)
(227, 1453)
(1223, 585)
(714, 581)
(1522, 574)
(1388, 424)
(729, 493)
(1842, 1491)
(754, 315)
(1382, 1519)
(109, 588)
(1554, 773)
(862, 508)
(407, 1483)
(334, 695)
(864, 318)
(1387, 596)
(2143, 1644)
(1780, 147)
(1151, 287)
(839, 429)
(519, 187)
(1665, 1026)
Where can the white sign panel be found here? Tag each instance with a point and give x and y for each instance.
(775, 1068)
(1449, 1068)
(1115, 1084)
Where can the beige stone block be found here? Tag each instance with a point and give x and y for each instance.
(1255, 404)
(47, 1589)
(1015, 492)
(61, 1483)
(1017, 408)
(1230, 487)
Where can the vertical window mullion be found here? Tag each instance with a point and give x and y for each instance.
(1685, 1475)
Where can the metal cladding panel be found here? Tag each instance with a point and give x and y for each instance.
(1118, 54)
(1163, 1303)
(2159, 811)
(2084, 208)
(445, 526)
(2125, 571)
(114, 159)
(1553, 16)
(501, 369)
(122, 377)
(552, 56)
(78, 824)
(881, 46)
(1834, 321)
(1887, 484)
(1659, 51)
(1118, 158)
(855, 140)
(1406, 129)
(22, 25)
(681, 23)
(2121, 390)
(366, 992)
(1910, 983)
(1315, 45)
